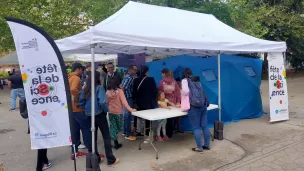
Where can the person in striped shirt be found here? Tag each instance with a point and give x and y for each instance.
(127, 87)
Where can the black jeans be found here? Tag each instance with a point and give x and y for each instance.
(81, 122)
(41, 159)
(101, 122)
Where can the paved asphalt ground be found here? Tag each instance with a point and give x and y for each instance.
(252, 145)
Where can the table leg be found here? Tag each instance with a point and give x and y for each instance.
(143, 140)
(151, 138)
(151, 135)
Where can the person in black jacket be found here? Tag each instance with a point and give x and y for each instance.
(42, 159)
(111, 74)
(144, 93)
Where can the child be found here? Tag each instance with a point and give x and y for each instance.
(163, 103)
(116, 100)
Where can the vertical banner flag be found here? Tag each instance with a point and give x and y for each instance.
(45, 85)
(277, 88)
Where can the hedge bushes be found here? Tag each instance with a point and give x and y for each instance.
(3, 75)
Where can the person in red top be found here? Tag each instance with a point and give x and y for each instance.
(172, 92)
(116, 100)
(170, 87)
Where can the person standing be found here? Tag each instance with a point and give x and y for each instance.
(172, 92)
(127, 87)
(1, 85)
(144, 94)
(101, 110)
(87, 70)
(111, 74)
(198, 112)
(116, 100)
(9, 73)
(79, 120)
(101, 69)
(15, 83)
(42, 159)
(170, 87)
(85, 74)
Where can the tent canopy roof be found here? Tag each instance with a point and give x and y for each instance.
(12, 58)
(142, 28)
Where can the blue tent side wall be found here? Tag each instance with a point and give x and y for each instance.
(240, 82)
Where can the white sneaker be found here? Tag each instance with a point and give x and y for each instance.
(81, 146)
(47, 166)
(147, 141)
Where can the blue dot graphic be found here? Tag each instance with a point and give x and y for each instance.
(62, 104)
(58, 101)
(36, 134)
(276, 111)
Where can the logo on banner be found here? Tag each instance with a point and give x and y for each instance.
(30, 44)
(44, 89)
(280, 111)
(45, 136)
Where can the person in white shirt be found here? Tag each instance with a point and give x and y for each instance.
(111, 74)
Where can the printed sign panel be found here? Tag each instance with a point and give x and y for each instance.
(45, 85)
(277, 88)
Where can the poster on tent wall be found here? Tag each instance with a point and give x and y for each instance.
(45, 85)
(277, 88)
(125, 60)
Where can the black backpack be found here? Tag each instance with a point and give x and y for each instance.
(197, 96)
(23, 108)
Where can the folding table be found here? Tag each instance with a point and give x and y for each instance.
(159, 114)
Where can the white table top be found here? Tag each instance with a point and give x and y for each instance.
(161, 113)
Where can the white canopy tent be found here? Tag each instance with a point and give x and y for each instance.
(12, 58)
(142, 28)
(154, 30)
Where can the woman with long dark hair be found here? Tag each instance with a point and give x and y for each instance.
(101, 110)
(197, 114)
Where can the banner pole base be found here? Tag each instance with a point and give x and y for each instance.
(74, 148)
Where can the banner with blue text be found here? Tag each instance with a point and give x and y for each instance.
(45, 85)
(277, 88)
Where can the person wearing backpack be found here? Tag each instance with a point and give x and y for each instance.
(198, 109)
(101, 110)
(42, 159)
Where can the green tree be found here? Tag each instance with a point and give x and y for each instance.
(218, 8)
(277, 20)
(60, 18)
(98, 10)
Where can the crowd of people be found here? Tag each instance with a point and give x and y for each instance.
(118, 97)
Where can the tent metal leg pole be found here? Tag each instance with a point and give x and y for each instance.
(93, 97)
(219, 86)
(284, 58)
